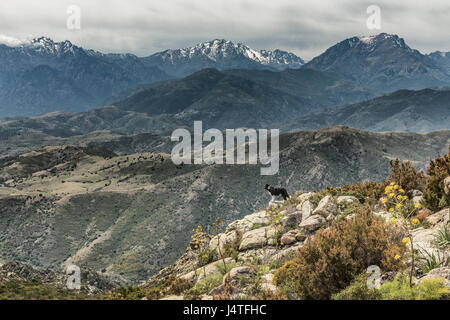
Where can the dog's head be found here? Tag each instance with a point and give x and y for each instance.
(267, 187)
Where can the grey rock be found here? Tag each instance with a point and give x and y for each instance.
(313, 223)
(256, 238)
(344, 199)
(306, 209)
(326, 207)
(289, 237)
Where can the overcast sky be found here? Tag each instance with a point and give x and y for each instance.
(305, 27)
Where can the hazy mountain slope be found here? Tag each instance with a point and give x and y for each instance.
(383, 62)
(442, 59)
(128, 216)
(243, 98)
(404, 110)
(222, 100)
(223, 55)
(42, 76)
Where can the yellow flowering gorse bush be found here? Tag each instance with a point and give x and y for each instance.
(397, 202)
(274, 217)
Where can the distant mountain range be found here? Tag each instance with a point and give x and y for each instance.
(43, 76)
(404, 110)
(224, 84)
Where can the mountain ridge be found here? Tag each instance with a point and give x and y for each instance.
(404, 110)
(383, 62)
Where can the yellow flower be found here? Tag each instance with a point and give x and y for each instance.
(405, 240)
(392, 183)
(391, 195)
(384, 200)
(392, 220)
(396, 187)
(397, 256)
(398, 205)
(391, 210)
(405, 197)
(400, 197)
(402, 191)
(415, 222)
(417, 206)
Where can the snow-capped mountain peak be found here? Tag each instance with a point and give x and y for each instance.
(224, 54)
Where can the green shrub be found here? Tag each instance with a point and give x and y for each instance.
(153, 293)
(442, 238)
(329, 263)
(206, 256)
(428, 289)
(406, 176)
(285, 281)
(131, 293)
(434, 196)
(227, 267)
(35, 290)
(204, 286)
(428, 261)
(366, 192)
(179, 285)
(358, 290)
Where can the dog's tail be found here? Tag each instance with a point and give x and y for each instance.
(285, 194)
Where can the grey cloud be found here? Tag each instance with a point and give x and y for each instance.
(305, 27)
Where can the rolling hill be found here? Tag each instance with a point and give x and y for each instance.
(405, 110)
(127, 216)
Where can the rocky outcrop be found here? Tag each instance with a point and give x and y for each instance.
(326, 207)
(260, 243)
(443, 272)
(312, 223)
(257, 238)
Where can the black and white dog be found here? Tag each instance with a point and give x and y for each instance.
(277, 191)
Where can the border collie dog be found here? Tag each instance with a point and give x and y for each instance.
(277, 191)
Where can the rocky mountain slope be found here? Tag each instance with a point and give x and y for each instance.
(383, 62)
(126, 216)
(442, 59)
(404, 110)
(248, 253)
